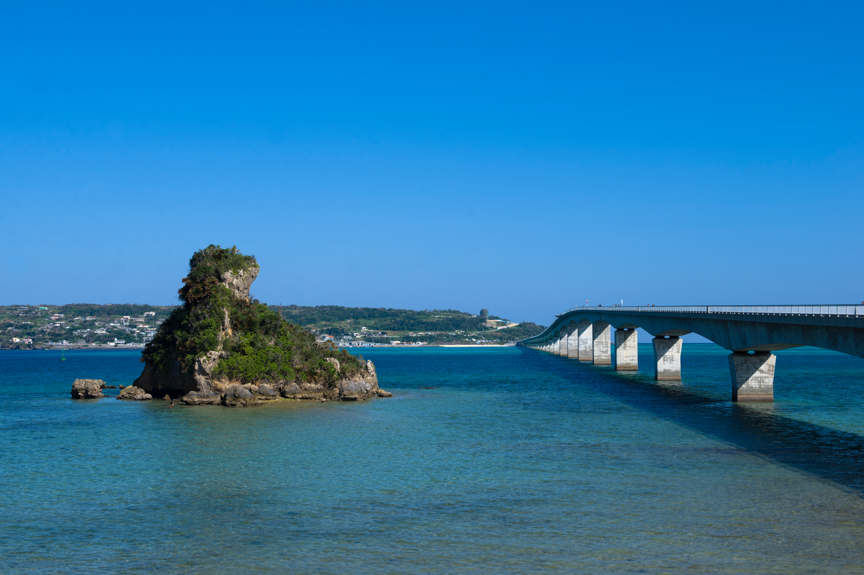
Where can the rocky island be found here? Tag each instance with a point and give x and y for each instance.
(222, 347)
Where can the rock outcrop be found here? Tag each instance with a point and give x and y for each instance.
(87, 389)
(240, 282)
(362, 385)
(134, 393)
(223, 347)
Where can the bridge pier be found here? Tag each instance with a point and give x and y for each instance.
(667, 358)
(752, 376)
(602, 343)
(573, 340)
(626, 350)
(586, 341)
(562, 342)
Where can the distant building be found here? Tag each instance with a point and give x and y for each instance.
(484, 313)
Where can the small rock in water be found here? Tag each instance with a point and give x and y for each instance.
(134, 393)
(382, 393)
(87, 389)
(166, 398)
(109, 387)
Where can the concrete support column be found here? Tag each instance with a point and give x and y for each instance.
(602, 343)
(667, 356)
(586, 341)
(752, 376)
(626, 350)
(573, 340)
(562, 343)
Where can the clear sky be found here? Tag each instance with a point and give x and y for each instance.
(522, 157)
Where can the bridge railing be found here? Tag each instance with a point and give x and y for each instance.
(827, 309)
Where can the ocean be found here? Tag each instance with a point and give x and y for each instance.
(503, 460)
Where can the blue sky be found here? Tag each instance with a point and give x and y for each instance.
(521, 157)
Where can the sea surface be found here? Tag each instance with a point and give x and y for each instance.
(490, 461)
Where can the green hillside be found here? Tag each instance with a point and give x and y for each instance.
(384, 325)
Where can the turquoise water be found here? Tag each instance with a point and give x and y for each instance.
(486, 461)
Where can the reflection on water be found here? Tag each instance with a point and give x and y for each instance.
(486, 461)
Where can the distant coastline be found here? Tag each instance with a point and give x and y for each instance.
(131, 326)
(141, 347)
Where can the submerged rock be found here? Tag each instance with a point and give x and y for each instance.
(87, 389)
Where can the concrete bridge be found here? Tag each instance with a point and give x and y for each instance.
(751, 333)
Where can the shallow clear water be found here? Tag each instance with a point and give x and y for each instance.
(514, 462)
